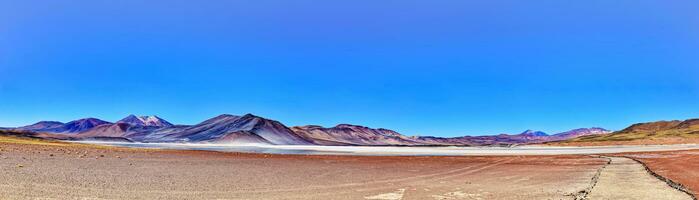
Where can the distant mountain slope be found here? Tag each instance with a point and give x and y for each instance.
(131, 127)
(526, 137)
(532, 133)
(688, 124)
(81, 125)
(659, 132)
(145, 121)
(650, 127)
(231, 129)
(154, 135)
(107, 130)
(578, 133)
(502, 139)
(120, 129)
(70, 127)
(346, 134)
(42, 125)
(225, 127)
(242, 137)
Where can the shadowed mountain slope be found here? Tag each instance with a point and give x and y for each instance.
(346, 134)
(221, 128)
(42, 125)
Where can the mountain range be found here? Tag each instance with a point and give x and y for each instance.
(246, 129)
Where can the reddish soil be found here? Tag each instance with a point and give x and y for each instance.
(30, 171)
(679, 166)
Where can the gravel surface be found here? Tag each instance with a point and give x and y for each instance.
(86, 172)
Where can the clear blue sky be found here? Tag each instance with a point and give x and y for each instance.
(428, 67)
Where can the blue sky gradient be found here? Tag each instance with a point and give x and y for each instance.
(438, 67)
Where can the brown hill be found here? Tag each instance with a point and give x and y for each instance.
(690, 123)
(660, 132)
(651, 127)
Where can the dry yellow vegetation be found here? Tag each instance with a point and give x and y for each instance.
(660, 132)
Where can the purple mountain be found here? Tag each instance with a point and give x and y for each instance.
(80, 125)
(526, 137)
(532, 133)
(231, 129)
(346, 134)
(579, 132)
(70, 127)
(42, 125)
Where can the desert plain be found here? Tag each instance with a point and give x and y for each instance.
(39, 169)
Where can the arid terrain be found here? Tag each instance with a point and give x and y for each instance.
(349, 100)
(33, 168)
(681, 167)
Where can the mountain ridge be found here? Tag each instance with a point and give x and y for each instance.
(74, 126)
(249, 128)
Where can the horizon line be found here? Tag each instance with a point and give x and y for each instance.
(338, 124)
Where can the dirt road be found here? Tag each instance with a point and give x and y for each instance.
(680, 167)
(624, 178)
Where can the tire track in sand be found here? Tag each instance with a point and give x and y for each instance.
(432, 180)
(392, 183)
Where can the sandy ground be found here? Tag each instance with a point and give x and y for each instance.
(37, 169)
(625, 178)
(681, 167)
(30, 171)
